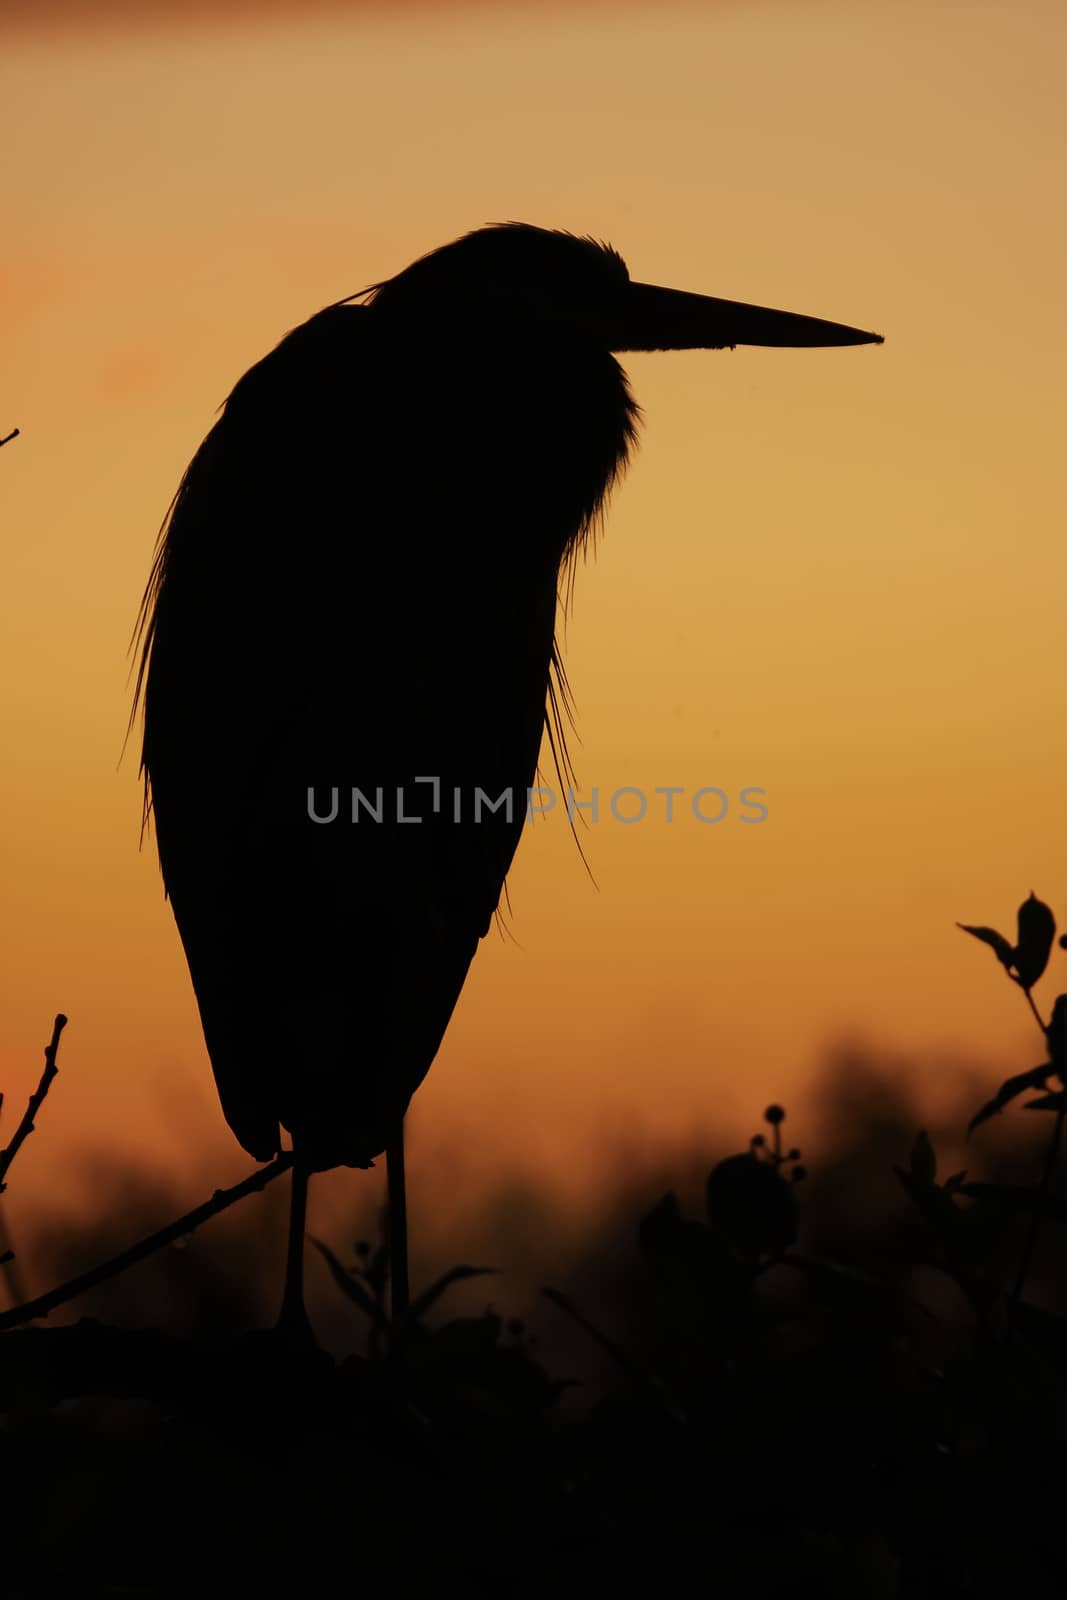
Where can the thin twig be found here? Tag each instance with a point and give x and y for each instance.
(1037, 1014)
(25, 1127)
(220, 1200)
(633, 1369)
(8, 437)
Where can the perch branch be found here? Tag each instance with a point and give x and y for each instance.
(220, 1200)
(8, 437)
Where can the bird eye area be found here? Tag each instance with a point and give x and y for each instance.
(516, 273)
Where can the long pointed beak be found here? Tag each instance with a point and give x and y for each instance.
(670, 319)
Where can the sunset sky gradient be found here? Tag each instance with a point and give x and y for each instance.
(835, 575)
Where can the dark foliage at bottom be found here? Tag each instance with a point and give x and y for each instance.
(792, 1409)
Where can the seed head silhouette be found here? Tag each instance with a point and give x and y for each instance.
(356, 589)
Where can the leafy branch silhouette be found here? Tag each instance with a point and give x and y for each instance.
(1025, 963)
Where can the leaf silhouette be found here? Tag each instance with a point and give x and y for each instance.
(681, 1251)
(751, 1206)
(623, 1360)
(1048, 1102)
(468, 1341)
(350, 1286)
(1036, 1078)
(422, 1303)
(923, 1161)
(1013, 1197)
(1004, 951)
(934, 1203)
(376, 1271)
(1037, 930)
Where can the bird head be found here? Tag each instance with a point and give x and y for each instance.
(546, 281)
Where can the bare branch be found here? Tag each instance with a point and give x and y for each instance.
(8, 437)
(220, 1200)
(25, 1127)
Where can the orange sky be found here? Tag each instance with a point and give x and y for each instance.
(835, 575)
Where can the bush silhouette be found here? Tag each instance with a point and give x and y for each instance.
(804, 1386)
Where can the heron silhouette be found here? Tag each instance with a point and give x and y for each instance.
(348, 635)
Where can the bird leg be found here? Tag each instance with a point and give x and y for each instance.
(397, 1230)
(293, 1319)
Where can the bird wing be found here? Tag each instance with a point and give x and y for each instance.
(337, 607)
